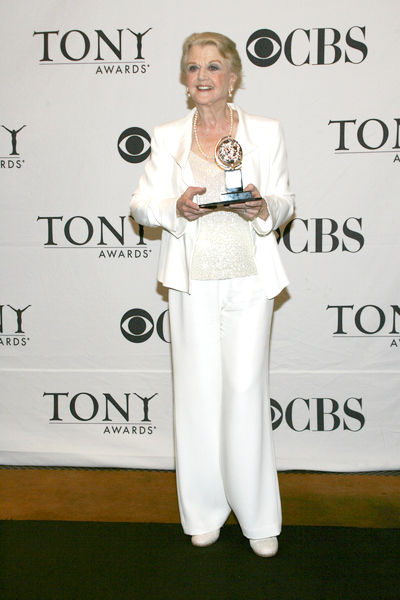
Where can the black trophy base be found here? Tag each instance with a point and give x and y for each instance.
(228, 198)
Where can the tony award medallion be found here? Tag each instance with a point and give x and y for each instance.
(229, 156)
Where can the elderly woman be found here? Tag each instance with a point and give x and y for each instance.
(223, 270)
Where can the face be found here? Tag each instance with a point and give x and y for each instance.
(208, 75)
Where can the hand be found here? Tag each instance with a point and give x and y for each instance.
(252, 208)
(185, 207)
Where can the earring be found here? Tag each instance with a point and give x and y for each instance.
(230, 93)
(187, 92)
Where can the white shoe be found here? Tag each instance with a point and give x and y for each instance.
(265, 546)
(205, 539)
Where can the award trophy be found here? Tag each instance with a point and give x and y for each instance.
(228, 156)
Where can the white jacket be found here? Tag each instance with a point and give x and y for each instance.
(167, 175)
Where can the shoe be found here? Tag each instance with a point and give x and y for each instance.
(265, 546)
(205, 539)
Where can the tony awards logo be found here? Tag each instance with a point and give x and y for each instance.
(118, 52)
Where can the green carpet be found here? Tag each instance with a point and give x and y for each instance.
(52, 560)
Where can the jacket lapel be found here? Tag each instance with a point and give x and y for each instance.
(249, 166)
(182, 150)
(242, 134)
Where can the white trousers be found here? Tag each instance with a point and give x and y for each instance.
(224, 450)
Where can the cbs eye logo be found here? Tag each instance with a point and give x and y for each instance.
(137, 326)
(134, 145)
(276, 414)
(263, 47)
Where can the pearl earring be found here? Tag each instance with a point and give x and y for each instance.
(187, 92)
(230, 93)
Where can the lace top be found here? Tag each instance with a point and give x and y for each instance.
(224, 247)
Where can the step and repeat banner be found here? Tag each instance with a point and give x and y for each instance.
(84, 337)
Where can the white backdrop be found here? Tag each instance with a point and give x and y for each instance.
(84, 342)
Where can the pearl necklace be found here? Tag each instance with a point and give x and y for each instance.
(195, 118)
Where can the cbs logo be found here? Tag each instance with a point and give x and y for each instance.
(134, 145)
(137, 326)
(318, 414)
(316, 46)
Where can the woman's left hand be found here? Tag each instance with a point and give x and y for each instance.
(252, 208)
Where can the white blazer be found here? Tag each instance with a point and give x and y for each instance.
(167, 175)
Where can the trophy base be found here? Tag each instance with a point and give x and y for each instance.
(228, 198)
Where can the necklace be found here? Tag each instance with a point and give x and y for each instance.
(195, 118)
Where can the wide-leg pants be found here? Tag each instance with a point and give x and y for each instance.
(224, 450)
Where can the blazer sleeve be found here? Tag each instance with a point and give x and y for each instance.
(153, 203)
(279, 199)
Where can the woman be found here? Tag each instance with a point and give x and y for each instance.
(223, 270)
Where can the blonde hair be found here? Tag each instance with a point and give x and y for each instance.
(225, 46)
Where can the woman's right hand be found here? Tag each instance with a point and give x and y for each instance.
(185, 207)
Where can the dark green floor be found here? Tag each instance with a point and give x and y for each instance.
(52, 560)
